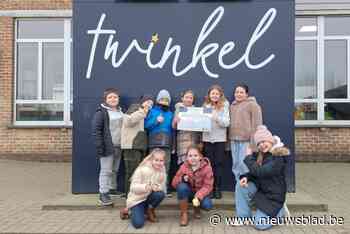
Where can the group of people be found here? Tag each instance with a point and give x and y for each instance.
(148, 128)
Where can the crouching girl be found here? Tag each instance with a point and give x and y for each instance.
(193, 182)
(264, 184)
(147, 188)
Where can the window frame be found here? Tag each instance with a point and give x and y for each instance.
(320, 39)
(67, 46)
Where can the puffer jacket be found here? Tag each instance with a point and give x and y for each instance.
(144, 175)
(159, 134)
(269, 179)
(101, 133)
(219, 126)
(201, 180)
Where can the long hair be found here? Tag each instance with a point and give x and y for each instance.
(220, 104)
(148, 159)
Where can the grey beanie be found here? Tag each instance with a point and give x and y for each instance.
(164, 94)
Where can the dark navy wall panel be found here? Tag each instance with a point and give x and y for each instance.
(272, 84)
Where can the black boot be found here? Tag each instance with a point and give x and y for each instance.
(217, 188)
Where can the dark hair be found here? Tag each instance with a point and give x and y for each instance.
(244, 86)
(109, 91)
(183, 93)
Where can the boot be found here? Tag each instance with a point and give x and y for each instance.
(217, 188)
(151, 215)
(197, 212)
(184, 212)
(124, 213)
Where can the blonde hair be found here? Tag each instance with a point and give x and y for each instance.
(220, 104)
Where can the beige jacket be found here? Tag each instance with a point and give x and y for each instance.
(245, 116)
(133, 124)
(145, 174)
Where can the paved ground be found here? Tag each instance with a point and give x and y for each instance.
(26, 186)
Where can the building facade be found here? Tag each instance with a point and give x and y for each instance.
(36, 79)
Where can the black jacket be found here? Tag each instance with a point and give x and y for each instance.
(101, 133)
(269, 179)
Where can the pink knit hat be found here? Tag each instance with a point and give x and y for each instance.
(263, 134)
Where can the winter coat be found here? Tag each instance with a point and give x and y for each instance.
(159, 134)
(144, 175)
(269, 179)
(219, 126)
(184, 139)
(245, 117)
(101, 133)
(133, 133)
(201, 180)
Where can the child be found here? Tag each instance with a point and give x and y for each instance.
(147, 190)
(134, 138)
(106, 124)
(194, 181)
(214, 141)
(245, 116)
(159, 126)
(184, 139)
(264, 184)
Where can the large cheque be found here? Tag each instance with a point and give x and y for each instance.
(196, 119)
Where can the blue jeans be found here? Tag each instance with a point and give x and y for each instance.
(138, 211)
(238, 151)
(184, 191)
(244, 195)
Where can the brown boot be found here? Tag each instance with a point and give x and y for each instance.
(151, 215)
(124, 213)
(184, 212)
(197, 212)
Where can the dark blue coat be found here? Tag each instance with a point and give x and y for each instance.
(269, 179)
(101, 134)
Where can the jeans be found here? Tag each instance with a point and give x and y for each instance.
(184, 191)
(109, 170)
(138, 211)
(238, 151)
(243, 210)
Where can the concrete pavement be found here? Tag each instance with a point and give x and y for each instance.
(28, 186)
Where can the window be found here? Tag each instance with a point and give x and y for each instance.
(322, 55)
(43, 72)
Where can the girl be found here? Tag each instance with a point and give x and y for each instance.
(158, 123)
(214, 141)
(245, 116)
(106, 126)
(147, 189)
(264, 184)
(134, 138)
(193, 181)
(184, 139)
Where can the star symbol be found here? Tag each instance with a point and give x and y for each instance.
(155, 38)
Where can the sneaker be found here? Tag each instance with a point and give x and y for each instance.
(286, 210)
(114, 192)
(105, 199)
(169, 194)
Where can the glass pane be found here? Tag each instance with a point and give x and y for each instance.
(305, 26)
(53, 71)
(27, 71)
(305, 70)
(337, 26)
(337, 111)
(305, 111)
(40, 29)
(39, 112)
(335, 69)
